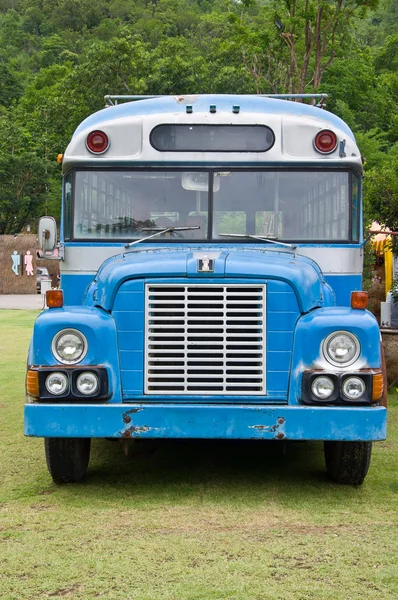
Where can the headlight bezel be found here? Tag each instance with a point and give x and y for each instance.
(55, 341)
(326, 345)
(72, 393)
(338, 398)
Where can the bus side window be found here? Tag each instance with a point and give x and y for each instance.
(68, 204)
(355, 208)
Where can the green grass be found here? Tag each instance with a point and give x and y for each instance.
(188, 520)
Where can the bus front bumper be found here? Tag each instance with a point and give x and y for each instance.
(137, 420)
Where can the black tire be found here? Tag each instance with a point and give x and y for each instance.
(348, 462)
(67, 458)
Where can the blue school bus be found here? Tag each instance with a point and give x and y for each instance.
(211, 254)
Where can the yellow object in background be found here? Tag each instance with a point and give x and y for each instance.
(381, 243)
(388, 266)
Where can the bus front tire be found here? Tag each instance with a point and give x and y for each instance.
(348, 462)
(67, 458)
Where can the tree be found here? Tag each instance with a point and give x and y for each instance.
(25, 174)
(23, 183)
(381, 193)
(306, 37)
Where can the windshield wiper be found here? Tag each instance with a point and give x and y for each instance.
(259, 237)
(159, 231)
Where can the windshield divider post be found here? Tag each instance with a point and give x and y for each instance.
(210, 207)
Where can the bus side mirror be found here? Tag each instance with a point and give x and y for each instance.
(47, 234)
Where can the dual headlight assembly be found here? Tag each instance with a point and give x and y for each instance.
(340, 349)
(69, 347)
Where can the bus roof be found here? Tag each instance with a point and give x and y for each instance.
(248, 104)
(291, 126)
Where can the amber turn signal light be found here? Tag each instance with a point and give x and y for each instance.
(54, 298)
(359, 300)
(32, 383)
(377, 387)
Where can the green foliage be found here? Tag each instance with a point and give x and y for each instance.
(352, 82)
(25, 175)
(23, 184)
(381, 186)
(58, 58)
(10, 86)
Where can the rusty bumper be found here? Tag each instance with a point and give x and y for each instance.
(206, 421)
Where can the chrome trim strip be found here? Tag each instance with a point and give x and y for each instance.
(332, 260)
(335, 260)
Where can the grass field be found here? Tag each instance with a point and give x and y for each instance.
(189, 521)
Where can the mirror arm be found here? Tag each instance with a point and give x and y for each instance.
(49, 255)
(61, 251)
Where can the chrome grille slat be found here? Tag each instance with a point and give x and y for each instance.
(205, 339)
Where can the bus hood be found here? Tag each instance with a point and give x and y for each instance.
(302, 273)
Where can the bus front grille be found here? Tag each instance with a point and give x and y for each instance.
(205, 339)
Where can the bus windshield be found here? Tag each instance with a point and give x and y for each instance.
(300, 206)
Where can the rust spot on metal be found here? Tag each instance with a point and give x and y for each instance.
(135, 430)
(190, 99)
(132, 429)
(142, 429)
(280, 436)
(271, 428)
(132, 411)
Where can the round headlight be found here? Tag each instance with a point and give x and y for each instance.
(57, 383)
(322, 387)
(69, 346)
(87, 383)
(354, 388)
(341, 348)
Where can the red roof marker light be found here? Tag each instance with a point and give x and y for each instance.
(97, 142)
(325, 141)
